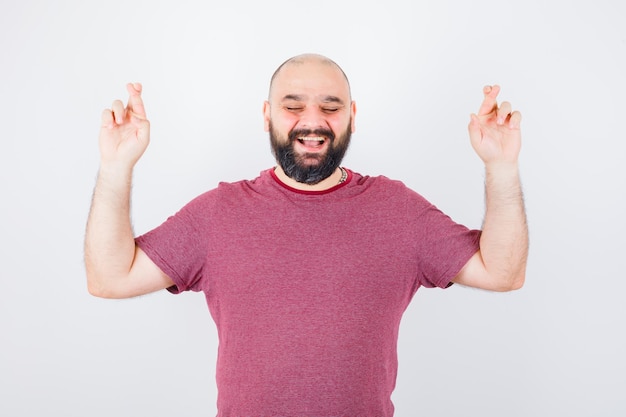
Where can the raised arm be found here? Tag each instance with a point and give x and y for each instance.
(500, 264)
(115, 267)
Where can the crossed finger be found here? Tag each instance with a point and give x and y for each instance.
(503, 113)
(135, 103)
(117, 113)
(490, 102)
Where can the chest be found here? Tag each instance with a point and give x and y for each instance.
(298, 258)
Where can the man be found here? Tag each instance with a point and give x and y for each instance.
(308, 268)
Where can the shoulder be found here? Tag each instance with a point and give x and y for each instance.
(385, 187)
(228, 189)
(375, 181)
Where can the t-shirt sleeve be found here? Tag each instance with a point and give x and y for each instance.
(178, 246)
(443, 246)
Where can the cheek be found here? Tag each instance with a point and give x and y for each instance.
(284, 122)
(341, 126)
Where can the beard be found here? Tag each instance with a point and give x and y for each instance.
(309, 168)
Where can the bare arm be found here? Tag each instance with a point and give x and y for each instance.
(500, 264)
(115, 267)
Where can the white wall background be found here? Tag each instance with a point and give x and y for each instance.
(417, 68)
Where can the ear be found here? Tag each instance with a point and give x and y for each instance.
(352, 116)
(266, 115)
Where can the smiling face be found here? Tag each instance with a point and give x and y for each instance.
(310, 117)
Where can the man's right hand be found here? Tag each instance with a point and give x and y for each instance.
(125, 131)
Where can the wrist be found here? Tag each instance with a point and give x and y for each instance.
(115, 174)
(502, 168)
(502, 182)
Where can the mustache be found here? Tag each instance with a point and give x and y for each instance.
(296, 133)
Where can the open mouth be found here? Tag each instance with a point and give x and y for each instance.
(312, 141)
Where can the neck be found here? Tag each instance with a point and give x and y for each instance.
(323, 185)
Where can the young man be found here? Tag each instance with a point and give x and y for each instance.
(308, 268)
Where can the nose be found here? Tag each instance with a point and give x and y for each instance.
(312, 118)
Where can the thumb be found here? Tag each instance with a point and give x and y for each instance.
(474, 129)
(143, 126)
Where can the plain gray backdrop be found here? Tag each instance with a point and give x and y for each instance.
(417, 69)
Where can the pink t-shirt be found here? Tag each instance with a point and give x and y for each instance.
(307, 289)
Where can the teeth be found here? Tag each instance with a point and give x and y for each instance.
(312, 138)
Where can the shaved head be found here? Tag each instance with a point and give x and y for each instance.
(306, 59)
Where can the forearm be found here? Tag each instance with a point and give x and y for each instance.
(504, 240)
(109, 239)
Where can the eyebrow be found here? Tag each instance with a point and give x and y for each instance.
(325, 99)
(332, 99)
